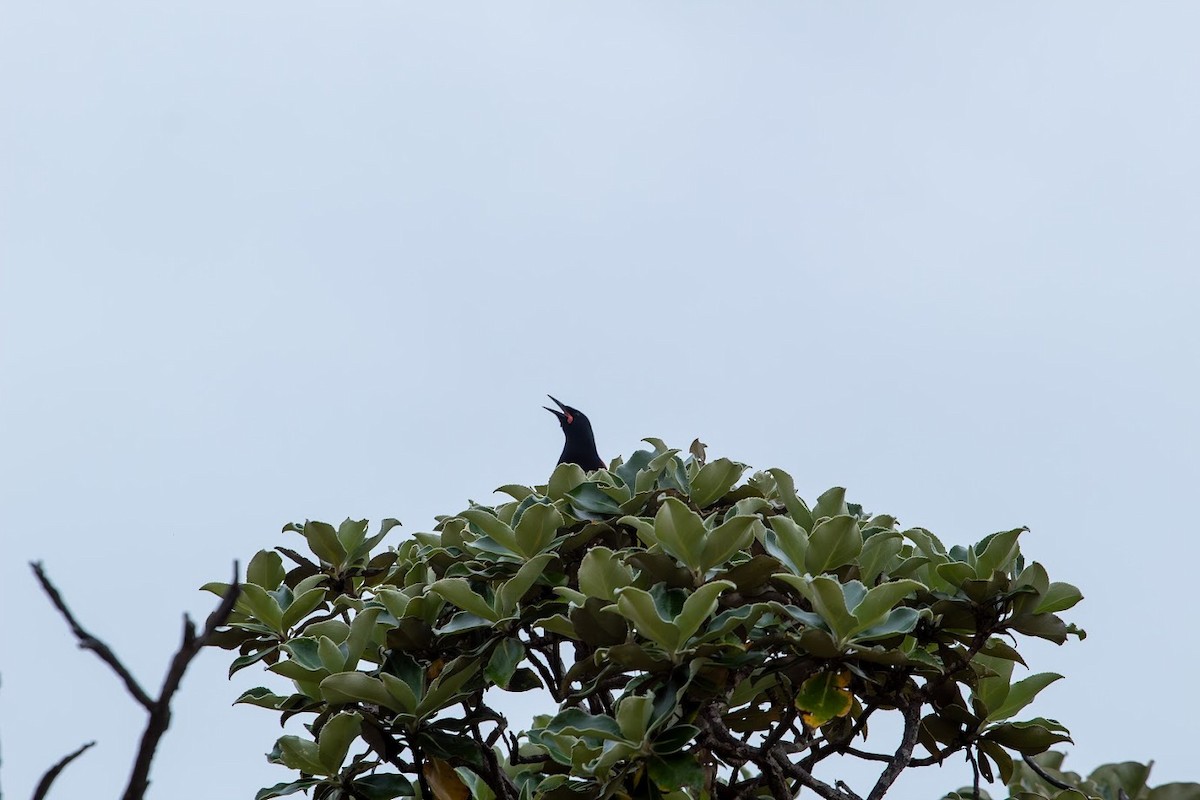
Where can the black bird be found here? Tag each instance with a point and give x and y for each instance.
(580, 445)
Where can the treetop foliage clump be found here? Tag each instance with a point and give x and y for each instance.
(701, 635)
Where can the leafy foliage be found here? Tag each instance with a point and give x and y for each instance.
(1127, 780)
(701, 635)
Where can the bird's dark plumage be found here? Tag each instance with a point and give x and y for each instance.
(580, 445)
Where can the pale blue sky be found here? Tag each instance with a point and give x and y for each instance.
(267, 261)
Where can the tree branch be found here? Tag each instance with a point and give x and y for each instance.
(912, 720)
(89, 642)
(160, 713)
(806, 778)
(44, 784)
(160, 708)
(1047, 777)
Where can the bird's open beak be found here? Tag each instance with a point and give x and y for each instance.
(564, 415)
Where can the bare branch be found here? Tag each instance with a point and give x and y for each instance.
(89, 642)
(806, 778)
(866, 756)
(44, 784)
(160, 711)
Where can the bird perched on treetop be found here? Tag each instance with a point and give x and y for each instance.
(580, 445)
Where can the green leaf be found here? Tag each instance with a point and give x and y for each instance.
(831, 504)
(674, 738)
(633, 717)
(992, 689)
(458, 591)
(504, 661)
(351, 534)
(644, 528)
(602, 573)
(362, 631)
(722, 542)
(335, 739)
(537, 528)
(284, 789)
(331, 655)
(304, 651)
(1033, 576)
(698, 607)
(516, 491)
(260, 696)
(628, 471)
(1021, 694)
(1001, 549)
(577, 722)
(797, 510)
(956, 573)
(302, 606)
(258, 603)
(638, 606)
(301, 754)
(445, 688)
(1028, 738)
(729, 619)
(356, 687)
(998, 754)
(832, 543)
(929, 545)
(383, 787)
(493, 528)
(877, 604)
(403, 693)
(899, 620)
(512, 590)
(394, 601)
(463, 621)
(788, 542)
(681, 533)
(714, 480)
(241, 662)
(675, 772)
(878, 554)
(591, 499)
(367, 545)
(828, 599)
(524, 679)
(564, 478)
(265, 569)
(323, 541)
(475, 783)
(1058, 597)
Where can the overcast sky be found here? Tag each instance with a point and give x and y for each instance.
(268, 261)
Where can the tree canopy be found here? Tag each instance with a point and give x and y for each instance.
(701, 635)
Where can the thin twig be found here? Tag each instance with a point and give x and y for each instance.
(44, 784)
(1055, 782)
(842, 745)
(866, 756)
(89, 642)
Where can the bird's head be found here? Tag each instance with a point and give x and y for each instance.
(579, 445)
(571, 419)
